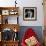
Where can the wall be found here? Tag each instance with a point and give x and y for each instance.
(30, 3)
(27, 3)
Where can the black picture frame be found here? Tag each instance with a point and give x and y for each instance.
(30, 13)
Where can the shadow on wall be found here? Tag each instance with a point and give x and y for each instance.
(37, 29)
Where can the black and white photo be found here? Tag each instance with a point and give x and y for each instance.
(29, 13)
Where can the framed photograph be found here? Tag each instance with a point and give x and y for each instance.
(30, 13)
(5, 12)
(13, 12)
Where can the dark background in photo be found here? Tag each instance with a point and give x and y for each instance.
(28, 13)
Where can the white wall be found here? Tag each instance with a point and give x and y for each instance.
(26, 3)
(32, 3)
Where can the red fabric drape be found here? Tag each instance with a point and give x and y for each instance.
(29, 33)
